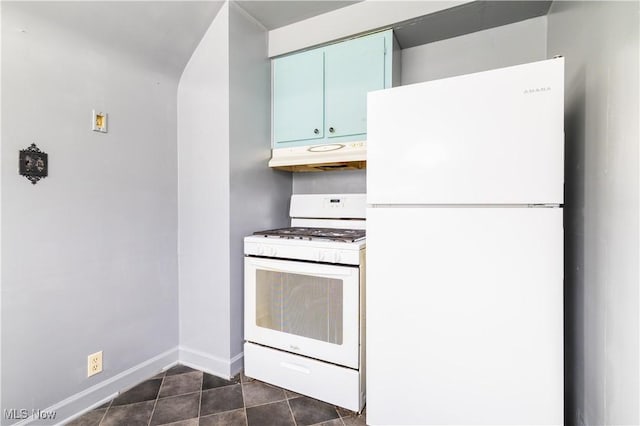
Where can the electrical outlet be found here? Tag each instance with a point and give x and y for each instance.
(94, 364)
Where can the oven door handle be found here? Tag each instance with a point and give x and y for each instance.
(315, 274)
(314, 269)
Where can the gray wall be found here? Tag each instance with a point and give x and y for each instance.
(89, 253)
(259, 195)
(600, 43)
(498, 47)
(226, 190)
(359, 18)
(336, 182)
(512, 44)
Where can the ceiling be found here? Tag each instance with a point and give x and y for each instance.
(451, 22)
(162, 34)
(276, 14)
(465, 19)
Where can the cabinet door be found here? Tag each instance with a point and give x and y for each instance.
(352, 69)
(298, 104)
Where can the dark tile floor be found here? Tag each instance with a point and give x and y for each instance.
(182, 396)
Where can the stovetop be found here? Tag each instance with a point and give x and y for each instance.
(328, 234)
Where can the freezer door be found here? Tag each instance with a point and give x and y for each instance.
(495, 137)
(464, 316)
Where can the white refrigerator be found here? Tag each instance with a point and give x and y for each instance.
(464, 303)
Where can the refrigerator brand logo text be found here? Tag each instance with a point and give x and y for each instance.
(537, 90)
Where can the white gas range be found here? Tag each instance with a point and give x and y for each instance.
(304, 300)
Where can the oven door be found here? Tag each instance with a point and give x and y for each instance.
(305, 308)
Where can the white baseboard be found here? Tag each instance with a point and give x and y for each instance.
(237, 362)
(211, 364)
(90, 398)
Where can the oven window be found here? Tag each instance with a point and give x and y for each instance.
(303, 305)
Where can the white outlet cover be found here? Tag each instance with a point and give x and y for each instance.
(99, 121)
(94, 364)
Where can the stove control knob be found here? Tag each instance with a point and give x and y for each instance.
(272, 251)
(320, 256)
(260, 250)
(336, 258)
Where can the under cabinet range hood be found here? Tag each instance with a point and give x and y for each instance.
(316, 158)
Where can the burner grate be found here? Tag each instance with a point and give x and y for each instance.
(330, 234)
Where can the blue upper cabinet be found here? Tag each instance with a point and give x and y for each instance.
(298, 94)
(320, 96)
(351, 71)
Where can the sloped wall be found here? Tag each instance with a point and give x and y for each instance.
(226, 189)
(203, 201)
(259, 195)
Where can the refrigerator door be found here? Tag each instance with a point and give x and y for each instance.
(495, 137)
(464, 316)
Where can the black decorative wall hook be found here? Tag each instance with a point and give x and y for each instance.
(33, 163)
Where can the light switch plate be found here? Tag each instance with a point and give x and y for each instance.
(99, 121)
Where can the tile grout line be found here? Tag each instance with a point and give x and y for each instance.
(157, 398)
(200, 399)
(267, 403)
(215, 388)
(244, 401)
(180, 394)
(291, 411)
(341, 419)
(105, 412)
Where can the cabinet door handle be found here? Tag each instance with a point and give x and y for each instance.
(331, 130)
(316, 131)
